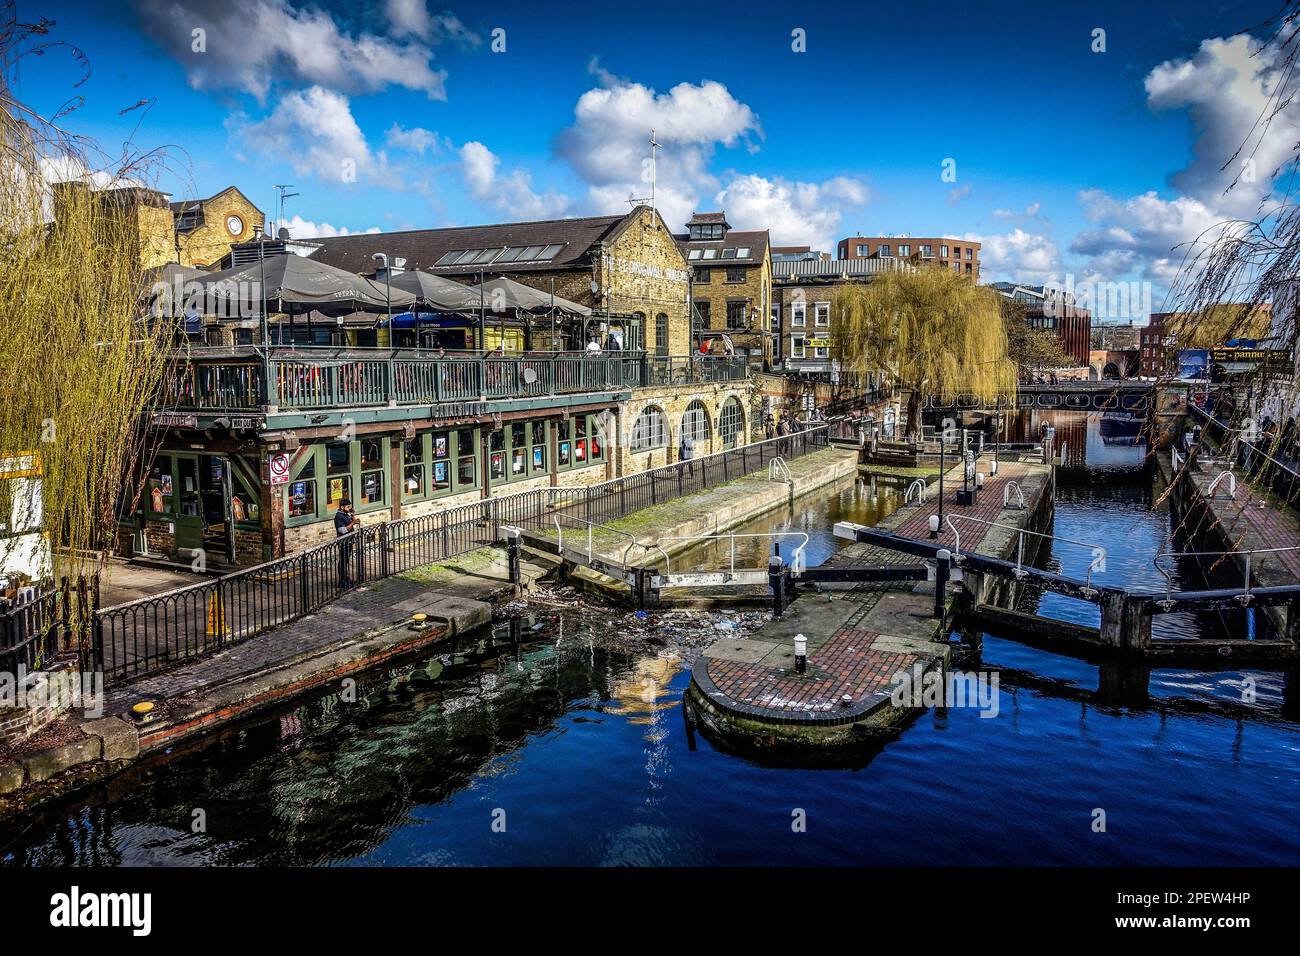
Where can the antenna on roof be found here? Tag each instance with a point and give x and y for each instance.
(283, 195)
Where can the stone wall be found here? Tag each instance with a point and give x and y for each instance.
(642, 269)
(673, 400)
(756, 290)
(42, 696)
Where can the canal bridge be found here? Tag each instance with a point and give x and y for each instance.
(1073, 396)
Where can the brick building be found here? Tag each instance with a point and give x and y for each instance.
(1054, 311)
(731, 284)
(628, 269)
(203, 230)
(1158, 348)
(959, 255)
(259, 448)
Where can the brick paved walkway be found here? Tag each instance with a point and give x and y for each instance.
(845, 664)
(1254, 519)
(843, 656)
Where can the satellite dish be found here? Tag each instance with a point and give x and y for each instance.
(284, 232)
(595, 287)
(530, 376)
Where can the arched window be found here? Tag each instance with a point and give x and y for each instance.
(661, 334)
(731, 423)
(696, 424)
(650, 430)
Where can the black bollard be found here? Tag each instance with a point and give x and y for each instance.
(941, 568)
(776, 581)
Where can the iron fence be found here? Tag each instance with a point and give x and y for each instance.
(45, 623)
(159, 631)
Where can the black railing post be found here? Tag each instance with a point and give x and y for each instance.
(942, 562)
(383, 550)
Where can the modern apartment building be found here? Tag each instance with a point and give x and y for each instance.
(960, 255)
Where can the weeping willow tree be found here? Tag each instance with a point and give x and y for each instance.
(1241, 277)
(78, 369)
(935, 332)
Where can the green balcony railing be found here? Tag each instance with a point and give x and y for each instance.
(351, 378)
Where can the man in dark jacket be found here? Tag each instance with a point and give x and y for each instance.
(346, 524)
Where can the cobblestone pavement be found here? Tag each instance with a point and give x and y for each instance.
(842, 656)
(355, 613)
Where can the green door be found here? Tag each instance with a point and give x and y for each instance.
(189, 506)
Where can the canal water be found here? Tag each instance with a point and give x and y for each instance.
(556, 751)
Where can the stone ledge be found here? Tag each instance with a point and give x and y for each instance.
(44, 764)
(119, 740)
(12, 776)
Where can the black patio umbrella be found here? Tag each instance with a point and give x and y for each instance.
(299, 281)
(506, 295)
(435, 293)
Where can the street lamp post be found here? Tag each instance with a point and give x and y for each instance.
(388, 296)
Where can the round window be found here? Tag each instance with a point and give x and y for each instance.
(235, 225)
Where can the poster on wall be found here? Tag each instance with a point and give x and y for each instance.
(439, 446)
(237, 508)
(336, 490)
(440, 471)
(539, 458)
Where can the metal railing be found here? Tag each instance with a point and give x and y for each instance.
(1248, 555)
(159, 631)
(1098, 562)
(341, 378)
(44, 623)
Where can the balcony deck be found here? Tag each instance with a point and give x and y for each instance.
(246, 380)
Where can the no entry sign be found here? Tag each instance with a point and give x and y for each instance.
(278, 466)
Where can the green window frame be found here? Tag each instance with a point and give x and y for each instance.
(162, 476)
(334, 470)
(431, 463)
(580, 442)
(518, 450)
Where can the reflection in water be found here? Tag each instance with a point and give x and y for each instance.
(587, 753)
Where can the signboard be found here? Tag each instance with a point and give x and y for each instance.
(818, 343)
(277, 466)
(1193, 363)
(175, 420)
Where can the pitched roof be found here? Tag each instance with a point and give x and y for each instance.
(756, 242)
(423, 248)
(708, 217)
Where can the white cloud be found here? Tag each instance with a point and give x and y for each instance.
(797, 213)
(251, 44)
(314, 131)
(1225, 87)
(608, 143)
(511, 193)
(414, 140)
(1019, 256)
(412, 18)
(300, 228)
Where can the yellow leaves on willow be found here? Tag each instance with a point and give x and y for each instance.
(77, 368)
(935, 331)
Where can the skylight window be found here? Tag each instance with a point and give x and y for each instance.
(710, 253)
(728, 253)
(694, 254)
(742, 252)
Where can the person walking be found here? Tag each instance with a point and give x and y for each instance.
(686, 451)
(346, 524)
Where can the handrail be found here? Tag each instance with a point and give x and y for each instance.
(797, 558)
(1006, 495)
(1232, 483)
(1248, 554)
(591, 526)
(1098, 562)
(775, 469)
(919, 487)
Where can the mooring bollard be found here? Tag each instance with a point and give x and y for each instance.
(941, 568)
(512, 554)
(934, 526)
(800, 653)
(776, 581)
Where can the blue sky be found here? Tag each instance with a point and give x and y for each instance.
(1068, 162)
